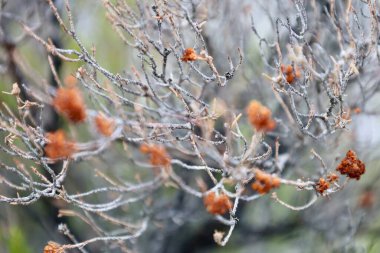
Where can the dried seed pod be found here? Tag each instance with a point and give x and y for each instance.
(260, 116)
(189, 55)
(322, 185)
(290, 73)
(351, 166)
(264, 182)
(158, 155)
(58, 146)
(69, 102)
(104, 125)
(332, 177)
(217, 204)
(53, 247)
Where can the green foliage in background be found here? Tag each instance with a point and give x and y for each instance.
(17, 241)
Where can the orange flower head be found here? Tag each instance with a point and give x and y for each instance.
(260, 116)
(217, 204)
(332, 177)
(104, 125)
(189, 55)
(52, 247)
(58, 146)
(289, 73)
(264, 182)
(157, 155)
(69, 102)
(351, 166)
(322, 185)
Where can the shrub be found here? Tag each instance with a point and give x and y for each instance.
(173, 117)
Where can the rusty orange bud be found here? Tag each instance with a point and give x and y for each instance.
(290, 73)
(69, 102)
(189, 55)
(58, 146)
(322, 185)
(332, 177)
(217, 204)
(52, 247)
(264, 182)
(260, 116)
(104, 125)
(351, 166)
(157, 155)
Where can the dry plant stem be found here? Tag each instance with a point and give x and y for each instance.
(295, 208)
(108, 238)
